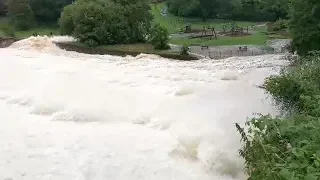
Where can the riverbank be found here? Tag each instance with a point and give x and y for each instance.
(117, 50)
(287, 147)
(7, 41)
(123, 50)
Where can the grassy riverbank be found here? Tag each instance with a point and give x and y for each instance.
(255, 39)
(287, 148)
(124, 50)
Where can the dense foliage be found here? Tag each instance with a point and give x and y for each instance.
(43, 10)
(305, 25)
(48, 10)
(279, 25)
(159, 37)
(254, 10)
(287, 148)
(20, 14)
(97, 22)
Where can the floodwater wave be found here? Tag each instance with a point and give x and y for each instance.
(66, 115)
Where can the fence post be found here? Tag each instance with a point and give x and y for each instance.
(230, 53)
(220, 54)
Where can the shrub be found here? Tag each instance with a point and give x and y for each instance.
(279, 25)
(184, 50)
(159, 37)
(282, 149)
(287, 148)
(99, 22)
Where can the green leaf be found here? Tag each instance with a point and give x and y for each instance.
(285, 173)
(310, 177)
(311, 169)
(297, 152)
(303, 143)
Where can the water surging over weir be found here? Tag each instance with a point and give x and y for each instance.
(66, 115)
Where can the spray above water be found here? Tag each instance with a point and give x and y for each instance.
(79, 116)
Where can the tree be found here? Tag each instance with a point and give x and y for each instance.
(3, 7)
(279, 8)
(21, 14)
(159, 37)
(186, 8)
(304, 25)
(48, 10)
(253, 10)
(97, 22)
(66, 21)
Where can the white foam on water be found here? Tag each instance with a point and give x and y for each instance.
(66, 115)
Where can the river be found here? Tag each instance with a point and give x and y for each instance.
(72, 116)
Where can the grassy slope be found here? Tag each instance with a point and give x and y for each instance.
(3, 24)
(146, 48)
(256, 39)
(174, 25)
(44, 29)
(124, 50)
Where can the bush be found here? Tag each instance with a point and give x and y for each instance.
(159, 37)
(304, 25)
(184, 50)
(100, 22)
(279, 25)
(287, 148)
(282, 149)
(21, 14)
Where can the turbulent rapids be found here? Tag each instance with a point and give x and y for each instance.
(72, 116)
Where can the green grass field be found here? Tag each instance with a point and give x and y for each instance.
(256, 39)
(174, 23)
(39, 30)
(43, 29)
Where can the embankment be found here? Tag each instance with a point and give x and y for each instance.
(70, 46)
(6, 41)
(102, 51)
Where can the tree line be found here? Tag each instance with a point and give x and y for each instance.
(252, 10)
(26, 13)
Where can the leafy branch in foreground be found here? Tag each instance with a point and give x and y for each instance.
(287, 148)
